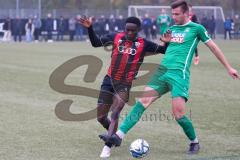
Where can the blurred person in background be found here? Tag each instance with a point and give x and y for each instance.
(112, 24)
(146, 26)
(61, 28)
(204, 22)
(163, 22)
(17, 29)
(55, 27)
(193, 18)
(228, 28)
(72, 28)
(120, 23)
(102, 25)
(37, 24)
(49, 27)
(29, 29)
(211, 27)
(79, 29)
(7, 30)
(236, 26)
(154, 28)
(97, 28)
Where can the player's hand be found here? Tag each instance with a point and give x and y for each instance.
(86, 22)
(233, 73)
(166, 36)
(196, 60)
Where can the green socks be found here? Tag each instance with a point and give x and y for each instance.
(132, 118)
(135, 114)
(187, 127)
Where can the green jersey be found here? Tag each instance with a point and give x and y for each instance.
(184, 41)
(163, 21)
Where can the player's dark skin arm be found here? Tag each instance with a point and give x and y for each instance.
(106, 40)
(94, 39)
(153, 49)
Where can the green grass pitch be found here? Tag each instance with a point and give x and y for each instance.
(30, 129)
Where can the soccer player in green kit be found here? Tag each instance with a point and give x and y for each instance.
(173, 75)
(163, 22)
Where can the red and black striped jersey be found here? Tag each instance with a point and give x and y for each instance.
(127, 55)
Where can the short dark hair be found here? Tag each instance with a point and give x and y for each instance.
(134, 20)
(180, 3)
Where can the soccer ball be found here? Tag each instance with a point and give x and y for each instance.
(139, 148)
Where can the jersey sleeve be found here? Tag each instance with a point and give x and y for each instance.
(102, 41)
(153, 48)
(203, 34)
(107, 39)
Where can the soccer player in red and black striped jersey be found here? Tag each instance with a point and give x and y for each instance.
(128, 53)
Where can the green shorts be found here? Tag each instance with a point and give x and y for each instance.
(164, 81)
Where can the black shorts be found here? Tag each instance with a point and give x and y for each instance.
(109, 88)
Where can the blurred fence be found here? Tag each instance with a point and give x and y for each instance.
(27, 8)
(25, 13)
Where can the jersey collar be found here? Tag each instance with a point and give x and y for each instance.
(183, 24)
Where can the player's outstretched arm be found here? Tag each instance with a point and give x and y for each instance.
(220, 56)
(94, 39)
(153, 49)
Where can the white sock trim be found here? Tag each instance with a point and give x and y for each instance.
(195, 140)
(107, 148)
(120, 134)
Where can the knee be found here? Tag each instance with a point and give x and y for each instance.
(101, 119)
(178, 108)
(178, 113)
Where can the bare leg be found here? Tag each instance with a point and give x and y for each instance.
(119, 101)
(102, 115)
(178, 107)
